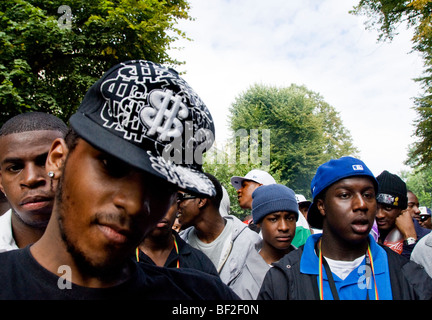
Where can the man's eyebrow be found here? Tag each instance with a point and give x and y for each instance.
(11, 159)
(41, 156)
(349, 187)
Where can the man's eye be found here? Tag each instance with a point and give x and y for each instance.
(115, 167)
(14, 168)
(344, 195)
(369, 195)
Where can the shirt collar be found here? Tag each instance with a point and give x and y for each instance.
(309, 263)
(7, 241)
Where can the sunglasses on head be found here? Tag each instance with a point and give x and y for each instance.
(185, 196)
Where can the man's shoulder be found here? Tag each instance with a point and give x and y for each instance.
(292, 259)
(9, 258)
(185, 283)
(242, 231)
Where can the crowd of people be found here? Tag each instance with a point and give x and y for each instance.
(97, 211)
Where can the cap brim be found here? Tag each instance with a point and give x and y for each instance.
(180, 176)
(314, 217)
(237, 181)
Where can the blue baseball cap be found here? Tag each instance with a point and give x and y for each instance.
(329, 173)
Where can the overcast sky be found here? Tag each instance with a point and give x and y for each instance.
(315, 43)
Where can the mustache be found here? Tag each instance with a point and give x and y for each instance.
(112, 218)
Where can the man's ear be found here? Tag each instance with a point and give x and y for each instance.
(321, 207)
(202, 202)
(1, 185)
(57, 157)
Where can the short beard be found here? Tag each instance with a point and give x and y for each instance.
(105, 273)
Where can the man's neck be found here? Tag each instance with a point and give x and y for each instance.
(210, 227)
(337, 249)
(23, 233)
(158, 249)
(271, 254)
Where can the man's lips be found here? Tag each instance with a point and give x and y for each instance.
(360, 225)
(114, 233)
(283, 238)
(162, 223)
(35, 202)
(381, 222)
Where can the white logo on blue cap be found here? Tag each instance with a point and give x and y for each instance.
(357, 167)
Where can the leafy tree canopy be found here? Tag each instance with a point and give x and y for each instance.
(305, 131)
(50, 57)
(386, 16)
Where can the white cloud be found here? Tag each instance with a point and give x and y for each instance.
(316, 43)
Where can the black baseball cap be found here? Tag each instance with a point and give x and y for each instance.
(146, 115)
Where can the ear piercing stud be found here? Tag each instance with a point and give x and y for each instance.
(51, 174)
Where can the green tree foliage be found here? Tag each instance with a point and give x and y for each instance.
(305, 131)
(226, 167)
(386, 16)
(420, 182)
(48, 65)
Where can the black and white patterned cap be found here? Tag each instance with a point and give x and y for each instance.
(148, 116)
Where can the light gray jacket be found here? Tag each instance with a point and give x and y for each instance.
(235, 250)
(422, 253)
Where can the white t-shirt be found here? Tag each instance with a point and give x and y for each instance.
(7, 241)
(343, 268)
(213, 250)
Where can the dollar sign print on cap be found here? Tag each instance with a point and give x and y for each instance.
(149, 117)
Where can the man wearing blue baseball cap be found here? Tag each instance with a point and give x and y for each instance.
(344, 262)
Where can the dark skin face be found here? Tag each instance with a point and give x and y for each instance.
(159, 242)
(103, 209)
(163, 228)
(189, 211)
(413, 205)
(25, 182)
(244, 194)
(278, 231)
(349, 209)
(386, 218)
(23, 177)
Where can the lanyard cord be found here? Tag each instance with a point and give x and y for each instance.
(373, 272)
(175, 246)
(330, 277)
(178, 257)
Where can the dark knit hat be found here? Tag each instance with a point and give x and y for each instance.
(392, 190)
(272, 198)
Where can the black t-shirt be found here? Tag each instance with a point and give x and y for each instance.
(23, 278)
(188, 257)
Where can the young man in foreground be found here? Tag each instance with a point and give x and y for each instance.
(113, 186)
(344, 262)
